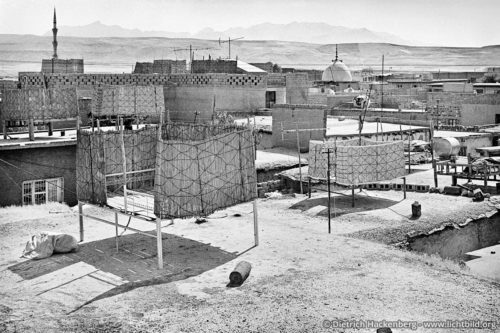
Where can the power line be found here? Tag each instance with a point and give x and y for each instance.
(32, 174)
(40, 164)
(7, 174)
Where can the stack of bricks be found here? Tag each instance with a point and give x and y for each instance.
(269, 186)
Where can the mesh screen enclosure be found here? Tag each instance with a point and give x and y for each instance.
(352, 163)
(131, 100)
(39, 104)
(189, 170)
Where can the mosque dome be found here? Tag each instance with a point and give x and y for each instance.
(337, 72)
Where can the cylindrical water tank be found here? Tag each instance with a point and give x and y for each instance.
(446, 147)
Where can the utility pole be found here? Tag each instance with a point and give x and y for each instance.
(382, 87)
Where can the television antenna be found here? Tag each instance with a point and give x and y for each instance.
(229, 43)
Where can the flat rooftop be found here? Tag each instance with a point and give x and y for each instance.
(349, 127)
(455, 134)
(42, 140)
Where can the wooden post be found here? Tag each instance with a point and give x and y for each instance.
(98, 125)
(78, 120)
(51, 128)
(116, 230)
(404, 187)
(159, 244)
(124, 163)
(300, 161)
(329, 194)
(80, 218)
(255, 223)
(31, 130)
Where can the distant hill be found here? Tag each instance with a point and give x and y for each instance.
(320, 33)
(24, 53)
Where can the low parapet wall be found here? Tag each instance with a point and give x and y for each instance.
(200, 80)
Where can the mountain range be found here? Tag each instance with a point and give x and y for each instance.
(320, 33)
(20, 53)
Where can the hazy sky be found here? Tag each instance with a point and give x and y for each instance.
(437, 22)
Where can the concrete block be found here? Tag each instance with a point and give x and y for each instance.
(422, 188)
(384, 186)
(397, 187)
(410, 187)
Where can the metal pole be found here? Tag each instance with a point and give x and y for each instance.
(329, 194)
(124, 164)
(80, 217)
(409, 152)
(431, 133)
(51, 128)
(255, 223)
(159, 244)
(404, 187)
(382, 86)
(300, 161)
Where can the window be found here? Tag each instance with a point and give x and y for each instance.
(43, 191)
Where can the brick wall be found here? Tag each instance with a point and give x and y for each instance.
(479, 114)
(410, 118)
(288, 117)
(89, 80)
(167, 66)
(296, 88)
(37, 164)
(214, 66)
(62, 66)
(143, 68)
